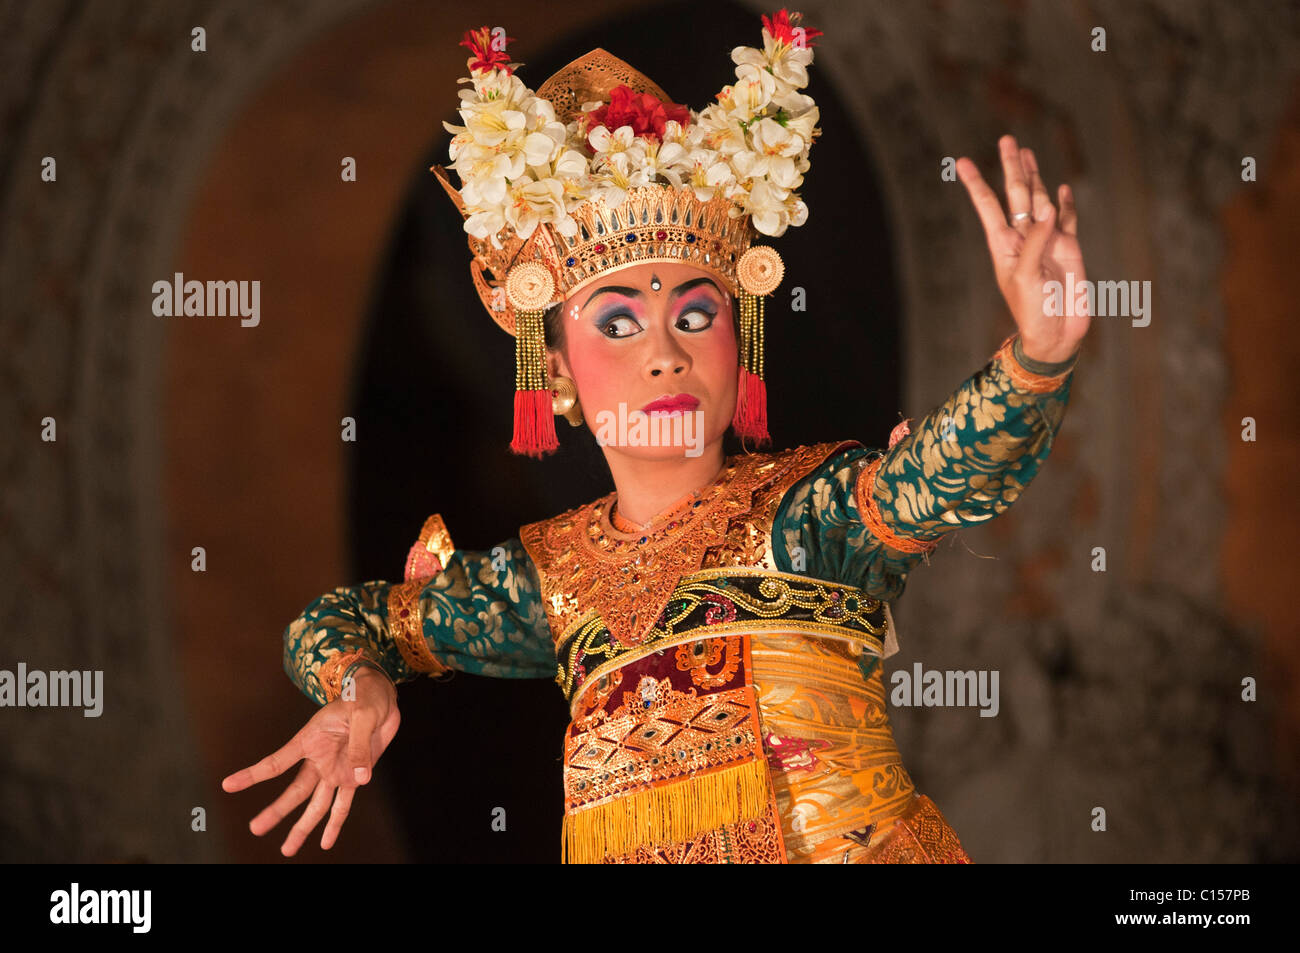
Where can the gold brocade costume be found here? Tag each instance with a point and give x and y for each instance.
(722, 710)
(723, 664)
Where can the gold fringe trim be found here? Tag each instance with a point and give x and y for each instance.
(667, 814)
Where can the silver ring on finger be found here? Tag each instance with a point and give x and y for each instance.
(1020, 217)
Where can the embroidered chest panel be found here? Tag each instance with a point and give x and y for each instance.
(590, 569)
(669, 754)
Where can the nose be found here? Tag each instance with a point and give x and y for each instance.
(669, 361)
(667, 357)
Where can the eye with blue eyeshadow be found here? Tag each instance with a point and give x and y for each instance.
(700, 308)
(624, 325)
(615, 320)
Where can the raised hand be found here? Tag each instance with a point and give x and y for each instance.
(338, 748)
(1031, 249)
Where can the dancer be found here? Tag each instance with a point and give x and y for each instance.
(717, 625)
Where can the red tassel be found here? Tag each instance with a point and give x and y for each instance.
(750, 419)
(534, 424)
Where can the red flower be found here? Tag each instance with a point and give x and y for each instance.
(644, 113)
(782, 27)
(479, 43)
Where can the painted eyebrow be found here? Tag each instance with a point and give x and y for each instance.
(677, 292)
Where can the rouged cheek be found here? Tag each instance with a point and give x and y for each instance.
(719, 352)
(603, 381)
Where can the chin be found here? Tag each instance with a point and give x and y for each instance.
(657, 437)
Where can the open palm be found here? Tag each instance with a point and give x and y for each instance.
(1031, 249)
(337, 748)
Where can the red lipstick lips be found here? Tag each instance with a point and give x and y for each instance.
(671, 404)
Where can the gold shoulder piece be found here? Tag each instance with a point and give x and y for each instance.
(431, 552)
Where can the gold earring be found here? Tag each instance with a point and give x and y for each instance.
(564, 400)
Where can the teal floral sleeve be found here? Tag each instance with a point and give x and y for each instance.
(482, 614)
(866, 518)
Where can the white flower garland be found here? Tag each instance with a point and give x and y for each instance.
(520, 167)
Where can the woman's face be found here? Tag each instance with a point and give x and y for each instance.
(658, 338)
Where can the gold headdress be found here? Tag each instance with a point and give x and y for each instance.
(599, 170)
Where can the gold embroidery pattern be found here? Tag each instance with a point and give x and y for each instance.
(602, 689)
(331, 672)
(671, 763)
(697, 657)
(677, 735)
(718, 601)
(587, 564)
(920, 836)
(757, 841)
(407, 627)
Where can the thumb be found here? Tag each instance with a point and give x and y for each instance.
(1031, 253)
(362, 727)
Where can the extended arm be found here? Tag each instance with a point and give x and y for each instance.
(482, 614)
(971, 457)
(867, 517)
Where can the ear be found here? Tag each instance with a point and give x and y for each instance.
(556, 365)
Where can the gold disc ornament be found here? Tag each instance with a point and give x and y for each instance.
(530, 286)
(760, 270)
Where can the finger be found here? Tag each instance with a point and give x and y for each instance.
(338, 814)
(1030, 266)
(1038, 194)
(359, 735)
(387, 731)
(985, 200)
(273, 765)
(293, 795)
(1069, 214)
(1014, 176)
(310, 818)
